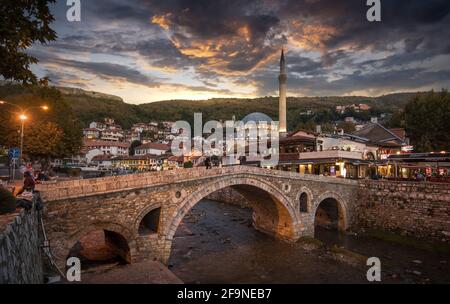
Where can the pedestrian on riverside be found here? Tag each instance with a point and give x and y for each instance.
(420, 176)
(28, 183)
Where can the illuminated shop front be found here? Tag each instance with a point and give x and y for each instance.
(431, 166)
(323, 164)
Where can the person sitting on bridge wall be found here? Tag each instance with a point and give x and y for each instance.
(28, 183)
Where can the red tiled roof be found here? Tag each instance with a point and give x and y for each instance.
(400, 132)
(95, 143)
(176, 158)
(155, 146)
(136, 157)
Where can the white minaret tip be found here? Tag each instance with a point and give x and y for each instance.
(282, 101)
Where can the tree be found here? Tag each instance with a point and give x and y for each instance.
(42, 140)
(133, 146)
(347, 126)
(397, 120)
(310, 125)
(427, 120)
(60, 114)
(23, 22)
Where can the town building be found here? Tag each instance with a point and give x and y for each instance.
(92, 148)
(112, 135)
(388, 141)
(434, 166)
(339, 155)
(102, 161)
(152, 148)
(137, 162)
(91, 133)
(341, 109)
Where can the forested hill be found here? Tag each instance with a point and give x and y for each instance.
(90, 106)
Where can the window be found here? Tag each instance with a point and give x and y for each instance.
(304, 202)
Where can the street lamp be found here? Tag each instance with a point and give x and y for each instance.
(23, 117)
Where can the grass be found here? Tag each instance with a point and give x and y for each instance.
(310, 240)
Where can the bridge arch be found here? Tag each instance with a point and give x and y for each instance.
(116, 234)
(286, 215)
(341, 204)
(143, 213)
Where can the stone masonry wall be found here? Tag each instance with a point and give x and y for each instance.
(20, 255)
(409, 208)
(229, 196)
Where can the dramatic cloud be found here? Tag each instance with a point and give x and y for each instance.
(151, 50)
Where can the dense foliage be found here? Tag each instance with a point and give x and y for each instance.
(53, 133)
(427, 121)
(23, 22)
(88, 108)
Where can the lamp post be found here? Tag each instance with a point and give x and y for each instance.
(23, 117)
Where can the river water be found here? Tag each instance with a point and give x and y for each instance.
(216, 243)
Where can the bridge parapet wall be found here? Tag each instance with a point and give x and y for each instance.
(79, 188)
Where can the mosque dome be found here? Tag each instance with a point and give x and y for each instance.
(257, 117)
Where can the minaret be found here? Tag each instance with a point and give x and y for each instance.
(282, 102)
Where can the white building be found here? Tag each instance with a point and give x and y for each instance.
(112, 135)
(107, 147)
(152, 148)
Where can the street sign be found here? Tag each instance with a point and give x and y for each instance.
(14, 153)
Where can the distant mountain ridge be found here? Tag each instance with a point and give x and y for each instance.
(90, 106)
(78, 91)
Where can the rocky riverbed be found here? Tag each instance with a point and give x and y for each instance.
(216, 243)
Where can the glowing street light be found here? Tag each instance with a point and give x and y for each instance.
(23, 117)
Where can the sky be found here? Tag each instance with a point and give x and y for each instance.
(145, 51)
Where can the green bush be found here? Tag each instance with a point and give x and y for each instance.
(188, 164)
(7, 201)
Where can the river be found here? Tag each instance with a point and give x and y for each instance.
(216, 243)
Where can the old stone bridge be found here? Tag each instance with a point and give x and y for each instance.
(140, 213)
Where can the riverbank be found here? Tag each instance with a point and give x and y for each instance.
(151, 272)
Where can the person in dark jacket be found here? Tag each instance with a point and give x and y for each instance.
(28, 183)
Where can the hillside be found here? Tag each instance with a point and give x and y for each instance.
(90, 106)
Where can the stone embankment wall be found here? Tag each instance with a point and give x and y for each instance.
(20, 255)
(409, 208)
(229, 196)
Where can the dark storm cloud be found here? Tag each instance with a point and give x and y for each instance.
(229, 36)
(110, 71)
(103, 70)
(239, 41)
(400, 19)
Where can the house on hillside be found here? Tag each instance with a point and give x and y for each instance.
(152, 148)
